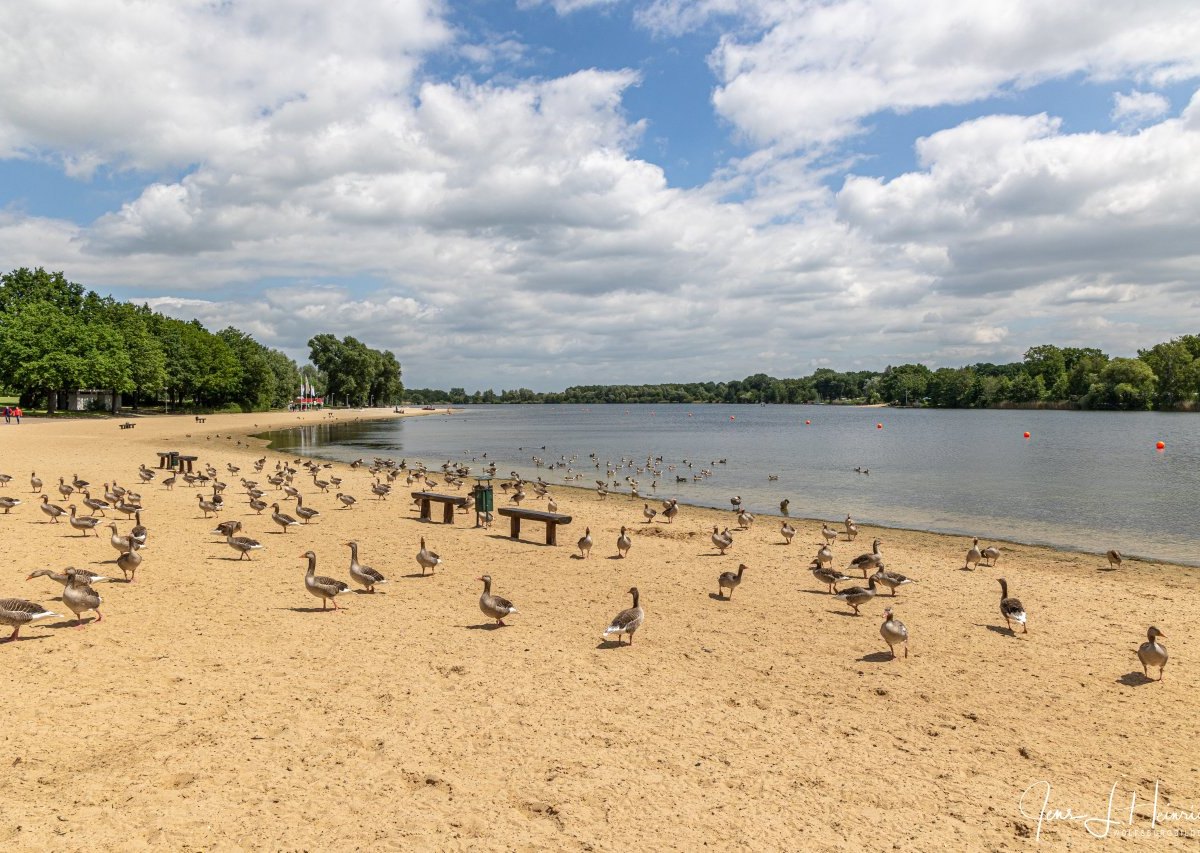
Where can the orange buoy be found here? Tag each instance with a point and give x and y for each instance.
(1027, 435)
(878, 426)
(1161, 445)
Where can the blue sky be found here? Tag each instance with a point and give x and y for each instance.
(579, 191)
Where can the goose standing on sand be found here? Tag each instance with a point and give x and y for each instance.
(63, 489)
(745, 519)
(348, 501)
(305, 512)
(494, 606)
(326, 589)
(207, 506)
(35, 482)
(824, 556)
(648, 513)
(627, 621)
(139, 533)
(226, 528)
(122, 544)
(830, 577)
(243, 545)
(1114, 559)
(729, 581)
(671, 511)
(624, 543)
(170, 481)
(585, 543)
(866, 562)
(891, 580)
(52, 510)
(64, 577)
(828, 533)
(80, 484)
(7, 504)
(17, 612)
(857, 596)
(1011, 608)
(894, 633)
(787, 531)
(80, 598)
(973, 556)
(364, 575)
(551, 503)
(851, 528)
(427, 559)
(94, 504)
(258, 505)
(129, 561)
(722, 541)
(83, 524)
(1152, 652)
(990, 554)
(282, 519)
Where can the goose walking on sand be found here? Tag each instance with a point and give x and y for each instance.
(52, 510)
(1152, 652)
(122, 544)
(17, 612)
(7, 503)
(973, 556)
(857, 596)
(1011, 608)
(830, 577)
(360, 574)
(894, 633)
(258, 505)
(305, 512)
(851, 529)
(243, 545)
(1114, 559)
(648, 513)
(824, 556)
(624, 543)
(226, 528)
(94, 504)
(129, 561)
(585, 543)
(282, 519)
(828, 533)
(326, 589)
(745, 519)
(63, 489)
(866, 562)
(627, 621)
(348, 501)
(729, 581)
(671, 511)
(83, 524)
(722, 541)
(35, 482)
(80, 598)
(139, 533)
(494, 606)
(64, 577)
(990, 555)
(891, 580)
(206, 507)
(427, 559)
(787, 531)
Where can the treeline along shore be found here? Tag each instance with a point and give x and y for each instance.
(1166, 376)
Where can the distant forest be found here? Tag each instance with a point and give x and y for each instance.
(1165, 376)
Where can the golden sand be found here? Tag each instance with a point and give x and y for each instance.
(216, 707)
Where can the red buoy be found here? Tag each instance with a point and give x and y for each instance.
(732, 418)
(806, 423)
(878, 426)
(1161, 445)
(1027, 435)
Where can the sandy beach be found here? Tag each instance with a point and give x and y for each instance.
(216, 707)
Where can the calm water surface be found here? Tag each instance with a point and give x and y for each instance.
(1084, 480)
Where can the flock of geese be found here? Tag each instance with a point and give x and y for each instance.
(80, 596)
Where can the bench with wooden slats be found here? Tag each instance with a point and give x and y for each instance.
(449, 502)
(550, 519)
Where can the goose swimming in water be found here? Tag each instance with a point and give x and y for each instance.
(627, 621)
(494, 606)
(894, 633)
(1011, 608)
(1152, 652)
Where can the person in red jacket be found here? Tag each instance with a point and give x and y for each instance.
(17, 414)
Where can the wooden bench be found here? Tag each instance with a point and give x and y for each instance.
(449, 501)
(128, 425)
(200, 420)
(551, 519)
(187, 461)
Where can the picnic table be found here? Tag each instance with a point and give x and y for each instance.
(517, 515)
(448, 501)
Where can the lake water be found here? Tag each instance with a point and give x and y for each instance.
(1083, 480)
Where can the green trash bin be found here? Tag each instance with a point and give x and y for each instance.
(173, 459)
(484, 500)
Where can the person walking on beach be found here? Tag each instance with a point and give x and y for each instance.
(17, 414)
(7, 414)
